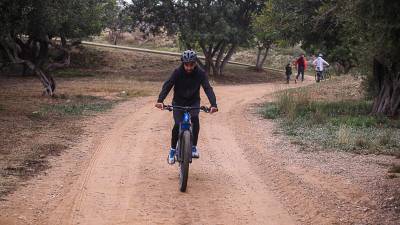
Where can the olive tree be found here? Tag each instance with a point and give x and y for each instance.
(217, 27)
(29, 28)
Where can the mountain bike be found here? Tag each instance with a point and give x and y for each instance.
(327, 73)
(323, 75)
(183, 153)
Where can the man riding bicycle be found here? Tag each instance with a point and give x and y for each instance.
(186, 80)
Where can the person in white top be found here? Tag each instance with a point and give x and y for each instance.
(319, 66)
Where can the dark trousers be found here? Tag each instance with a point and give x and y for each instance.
(300, 70)
(288, 77)
(178, 117)
(319, 75)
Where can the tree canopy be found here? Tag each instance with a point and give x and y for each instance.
(266, 31)
(118, 20)
(360, 33)
(28, 27)
(216, 27)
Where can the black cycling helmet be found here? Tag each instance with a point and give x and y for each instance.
(189, 56)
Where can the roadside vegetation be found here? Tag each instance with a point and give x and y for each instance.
(35, 127)
(334, 115)
(357, 38)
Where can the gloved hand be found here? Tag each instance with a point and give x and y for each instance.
(213, 110)
(159, 105)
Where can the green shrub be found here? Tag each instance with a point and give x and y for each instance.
(270, 111)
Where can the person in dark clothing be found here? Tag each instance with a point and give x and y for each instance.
(301, 64)
(288, 69)
(186, 80)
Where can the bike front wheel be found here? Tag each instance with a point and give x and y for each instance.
(186, 155)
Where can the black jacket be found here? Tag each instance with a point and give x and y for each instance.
(187, 87)
(288, 70)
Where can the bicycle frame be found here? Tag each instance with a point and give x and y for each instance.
(185, 124)
(185, 143)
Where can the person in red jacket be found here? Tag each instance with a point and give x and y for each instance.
(301, 65)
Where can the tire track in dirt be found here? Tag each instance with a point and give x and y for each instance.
(129, 182)
(103, 187)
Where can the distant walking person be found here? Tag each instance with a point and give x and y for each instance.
(301, 64)
(319, 66)
(288, 69)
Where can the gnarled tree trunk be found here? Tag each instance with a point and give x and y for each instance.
(227, 57)
(217, 65)
(260, 60)
(387, 102)
(33, 54)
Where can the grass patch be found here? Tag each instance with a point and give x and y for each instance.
(270, 111)
(363, 143)
(387, 139)
(133, 93)
(344, 124)
(356, 121)
(37, 115)
(77, 106)
(343, 135)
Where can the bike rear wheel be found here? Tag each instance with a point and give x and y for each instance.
(186, 154)
(327, 74)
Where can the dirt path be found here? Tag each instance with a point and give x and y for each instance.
(119, 174)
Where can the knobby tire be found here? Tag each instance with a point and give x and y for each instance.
(186, 153)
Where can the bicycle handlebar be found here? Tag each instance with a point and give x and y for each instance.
(186, 108)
